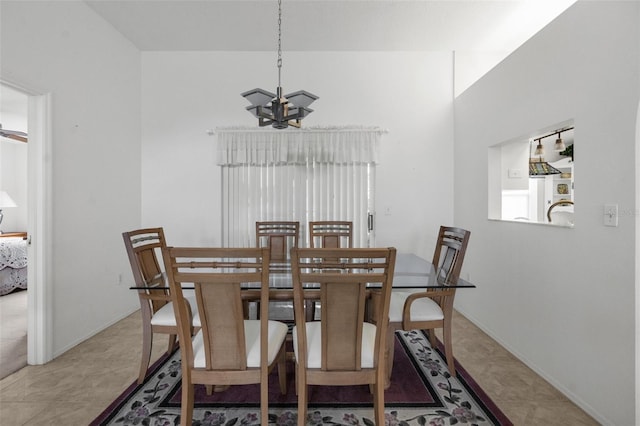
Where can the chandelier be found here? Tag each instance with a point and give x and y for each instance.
(278, 110)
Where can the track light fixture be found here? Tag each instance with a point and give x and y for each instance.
(539, 148)
(537, 166)
(559, 145)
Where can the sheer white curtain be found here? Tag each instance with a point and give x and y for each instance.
(297, 175)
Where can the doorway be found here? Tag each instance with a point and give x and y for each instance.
(38, 219)
(13, 225)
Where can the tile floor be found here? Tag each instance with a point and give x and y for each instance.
(75, 387)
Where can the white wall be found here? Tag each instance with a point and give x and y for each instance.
(515, 159)
(408, 93)
(561, 299)
(93, 74)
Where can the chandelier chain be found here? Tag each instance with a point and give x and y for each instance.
(279, 41)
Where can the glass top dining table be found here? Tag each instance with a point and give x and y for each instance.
(411, 271)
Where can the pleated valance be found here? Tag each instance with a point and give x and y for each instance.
(335, 145)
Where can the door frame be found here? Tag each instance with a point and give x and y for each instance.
(637, 265)
(39, 224)
(39, 219)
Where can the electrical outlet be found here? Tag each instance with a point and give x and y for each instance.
(610, 215)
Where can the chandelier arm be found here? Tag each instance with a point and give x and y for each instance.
(262, 114)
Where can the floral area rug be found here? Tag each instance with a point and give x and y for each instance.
(422, 392)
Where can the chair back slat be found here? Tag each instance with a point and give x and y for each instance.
(331, 234)
(278, 247)
(223, 325)
(448, 256)
(342, 317)
(279, 237)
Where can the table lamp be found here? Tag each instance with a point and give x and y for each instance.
(5, 201)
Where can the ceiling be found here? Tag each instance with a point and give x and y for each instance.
(320, 25)
(324, 25)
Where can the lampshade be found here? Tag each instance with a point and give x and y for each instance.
(559, 145)
(6, 200)
(541, 169)
(539, 148)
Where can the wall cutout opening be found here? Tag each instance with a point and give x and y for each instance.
(532, 177)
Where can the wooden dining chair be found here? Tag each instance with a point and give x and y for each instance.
(342, 348)
(563, 215)
(432, 308)
(331, 234)
(229, 349)
(280, 237)
(328, 234)
(143, 248)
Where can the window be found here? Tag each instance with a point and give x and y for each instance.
(297, 175)
(526, 186)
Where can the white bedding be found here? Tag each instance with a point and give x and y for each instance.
(13, 264)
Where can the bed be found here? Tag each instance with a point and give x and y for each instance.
(13, 264)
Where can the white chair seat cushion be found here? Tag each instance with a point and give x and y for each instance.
(314, 344)
(276, 335)
(423, 309)
(165, 315)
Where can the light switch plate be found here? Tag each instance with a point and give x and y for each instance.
(610, 215)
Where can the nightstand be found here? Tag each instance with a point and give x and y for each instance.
(13, 234)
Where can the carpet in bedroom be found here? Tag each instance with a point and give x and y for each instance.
(13, 332)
